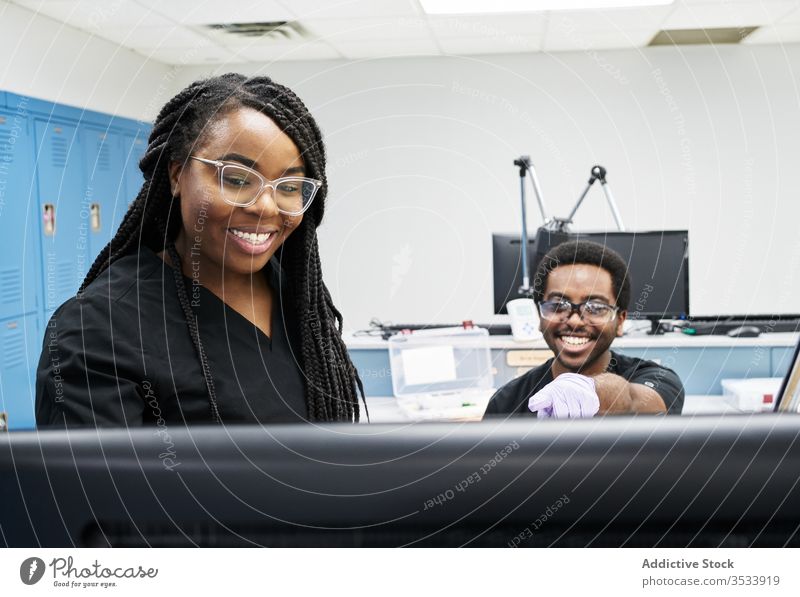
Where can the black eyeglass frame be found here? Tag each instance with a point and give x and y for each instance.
(577, 307)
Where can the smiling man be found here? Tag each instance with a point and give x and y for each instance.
(582, 290)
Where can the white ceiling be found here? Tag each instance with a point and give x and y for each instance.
(173, 32)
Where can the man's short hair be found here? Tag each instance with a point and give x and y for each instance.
(589, 253)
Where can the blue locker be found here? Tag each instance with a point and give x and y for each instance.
(20, 345)
(64, 224)
(105, 190)
(19, 241)
(55, 162)
(135, 146)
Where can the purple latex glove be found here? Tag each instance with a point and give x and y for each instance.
(568, 396)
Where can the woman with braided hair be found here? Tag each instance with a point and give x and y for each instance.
(208, 304)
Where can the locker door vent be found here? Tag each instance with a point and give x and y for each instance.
(10, 286)
(103, 155)
(13, 348)
(59, 152)
(60, 282)
(65, 283)
(6, 146)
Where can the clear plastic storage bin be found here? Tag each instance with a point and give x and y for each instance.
(752, 395)
(442, 369)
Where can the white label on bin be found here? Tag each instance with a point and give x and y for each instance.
(432, 364)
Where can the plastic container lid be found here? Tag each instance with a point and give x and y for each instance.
(441, 361)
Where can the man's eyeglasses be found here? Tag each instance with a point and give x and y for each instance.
(594, 312)
(242, 186)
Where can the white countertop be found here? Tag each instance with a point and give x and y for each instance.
(387, 410)
(669, 340)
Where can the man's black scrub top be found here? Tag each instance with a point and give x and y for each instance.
(513, 397)
(122, 355)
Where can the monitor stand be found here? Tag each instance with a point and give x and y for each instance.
(657, 327)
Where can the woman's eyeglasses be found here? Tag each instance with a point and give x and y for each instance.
(242, 186)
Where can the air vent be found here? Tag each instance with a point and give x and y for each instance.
(693, 37)
(103, 155)
(13, 349)
(64, 281)
(59, 152)
(7, 145)
(273, 30)
(10, 286)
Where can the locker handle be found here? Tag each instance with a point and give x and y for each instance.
(49, 219)
(94, 211)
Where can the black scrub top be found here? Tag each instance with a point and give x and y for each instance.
(513, 397)
(121, 355)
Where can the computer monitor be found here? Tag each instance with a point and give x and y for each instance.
(610, 481)
(658, 265)
(507, 264)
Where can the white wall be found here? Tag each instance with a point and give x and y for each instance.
(45, 59)
(421, 150)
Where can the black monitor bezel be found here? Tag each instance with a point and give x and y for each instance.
(629, 479)
(503, 240)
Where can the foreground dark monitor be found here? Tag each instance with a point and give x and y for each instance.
(618, 481)
(658, 264)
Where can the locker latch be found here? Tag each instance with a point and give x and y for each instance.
(94, 211)
(49, 219)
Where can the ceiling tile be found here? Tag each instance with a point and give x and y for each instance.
(155, 37)
(603, 29)
(361, 29)
(191, 56)
(781, 33)
(792, 17)
(369, 29)
(201, 12)
(603, 20)
(281, 52)
(489, 26)
(387, 48)
(465, 46)
(563, 41)
(346, 9)
(729, 14)
(94, 15)
(677, 3)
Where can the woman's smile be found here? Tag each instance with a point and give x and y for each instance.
(252, 242)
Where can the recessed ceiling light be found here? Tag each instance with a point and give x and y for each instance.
(689, 37)
(442, 7)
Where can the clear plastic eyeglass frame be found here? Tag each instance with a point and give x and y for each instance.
(313, 184)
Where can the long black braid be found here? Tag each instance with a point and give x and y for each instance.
(153, 220)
